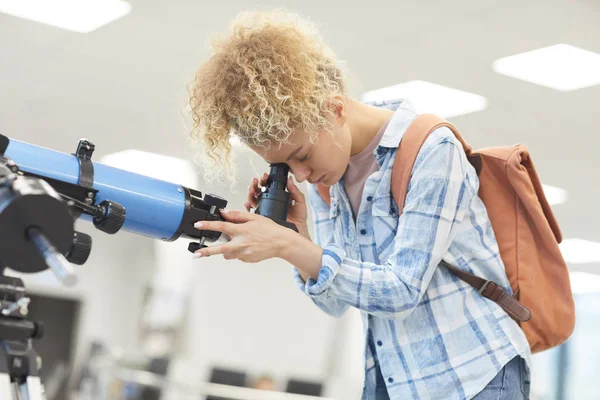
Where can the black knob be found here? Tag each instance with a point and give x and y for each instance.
(80, 248)
(109, 217)
(194, 247)
(39, 330)
(214, 200)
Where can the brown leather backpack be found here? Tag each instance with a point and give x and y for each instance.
(525, 228)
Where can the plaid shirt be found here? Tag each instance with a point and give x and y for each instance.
(428, 335)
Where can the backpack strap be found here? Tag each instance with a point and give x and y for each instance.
(410, 145)
(494, 292)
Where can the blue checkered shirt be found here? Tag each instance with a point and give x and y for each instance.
(428, 334)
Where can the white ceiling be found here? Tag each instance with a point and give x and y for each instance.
(123, 86)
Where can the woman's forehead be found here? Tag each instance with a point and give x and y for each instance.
(278, 152)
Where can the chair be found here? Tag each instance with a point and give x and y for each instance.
(304, 387)
(226, 377)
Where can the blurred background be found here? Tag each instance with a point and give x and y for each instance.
(115, 72)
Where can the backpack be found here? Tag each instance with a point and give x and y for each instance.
(525, 228)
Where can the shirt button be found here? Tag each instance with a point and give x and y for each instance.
(390, 380)
(369, 198)
(363, 231)
(379, 343)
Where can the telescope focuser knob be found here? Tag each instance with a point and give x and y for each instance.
(194, 247)
(109, 217)
(80, 249)
(215, 201)
(39, 330)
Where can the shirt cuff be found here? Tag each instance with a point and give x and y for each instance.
(330, 265)
(298, 279)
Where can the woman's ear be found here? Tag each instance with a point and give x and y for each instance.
(338, 106)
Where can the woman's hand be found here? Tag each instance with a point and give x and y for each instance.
(256, 238)
(297, 213)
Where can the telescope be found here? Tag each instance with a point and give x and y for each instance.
(42, 193)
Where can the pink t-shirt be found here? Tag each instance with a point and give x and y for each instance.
(359, 168)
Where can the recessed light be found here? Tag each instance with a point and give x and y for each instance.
(580, 251)
(561, 66)
(74, 15)
(429, 97)
(555, 195)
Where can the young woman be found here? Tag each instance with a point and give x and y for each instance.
(274, 85)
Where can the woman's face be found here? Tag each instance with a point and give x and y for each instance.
(324, 162)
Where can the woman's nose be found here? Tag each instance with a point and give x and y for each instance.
(300, 173)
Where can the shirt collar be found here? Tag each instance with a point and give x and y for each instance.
(404, 114)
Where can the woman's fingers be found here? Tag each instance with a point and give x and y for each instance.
(213, 250)
(238, 217)
(295, 193)
(227, 228)
(253, 191)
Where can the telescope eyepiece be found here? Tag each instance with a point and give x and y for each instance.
(278, 176)
(274, 200)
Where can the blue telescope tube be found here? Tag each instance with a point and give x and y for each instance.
(154, 208)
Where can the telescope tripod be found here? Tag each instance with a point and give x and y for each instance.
(19, 362)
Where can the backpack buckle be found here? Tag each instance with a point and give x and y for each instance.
(482, 289)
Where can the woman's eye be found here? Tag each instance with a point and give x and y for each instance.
(304, 158)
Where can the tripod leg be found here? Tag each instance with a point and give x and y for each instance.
(32, 389)
(6, 389)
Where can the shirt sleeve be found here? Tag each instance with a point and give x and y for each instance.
(323, 237)
(438, 196)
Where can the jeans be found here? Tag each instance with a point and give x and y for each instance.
(511, 383)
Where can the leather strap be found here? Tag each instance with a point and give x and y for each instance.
(494, 292)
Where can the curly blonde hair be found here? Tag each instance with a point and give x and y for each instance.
(272, 75)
